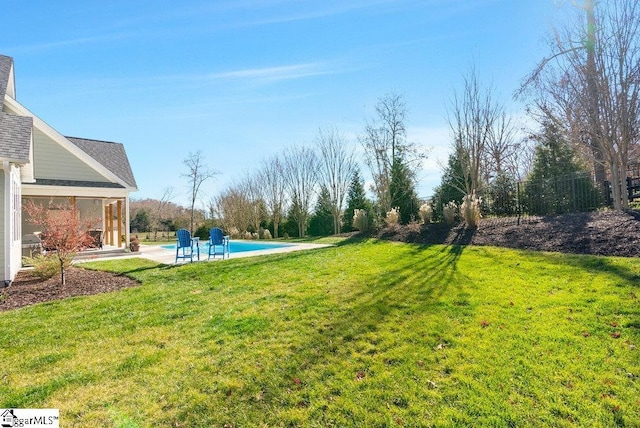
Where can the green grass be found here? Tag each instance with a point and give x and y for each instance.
(368, 334)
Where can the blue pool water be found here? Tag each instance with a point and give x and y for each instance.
(240, 246)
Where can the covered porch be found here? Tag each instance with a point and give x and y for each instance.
(105, 210)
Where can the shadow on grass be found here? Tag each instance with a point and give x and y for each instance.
(415, 285)
(597, 264)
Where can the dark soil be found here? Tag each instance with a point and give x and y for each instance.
(609, 233)
(27, 289)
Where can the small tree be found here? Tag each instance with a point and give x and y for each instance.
(322, 220)
(451, 188)
(64, 233)
(357, 200)
(403, 194)
(558, 183)
(197, 173)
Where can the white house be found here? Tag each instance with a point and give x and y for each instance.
(37, 162)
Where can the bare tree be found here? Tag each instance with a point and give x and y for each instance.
(478, 125)
(162, 204)
(337, 165)
(252, 190)
(273, 181)
(197, 173)
(502, 148)
(233, 208)
(590, 85)
(385, 141)
(300, 166)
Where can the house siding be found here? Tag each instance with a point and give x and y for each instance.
(52, 161)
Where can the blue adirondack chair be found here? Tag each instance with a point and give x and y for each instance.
(218, 243)
(186, 246)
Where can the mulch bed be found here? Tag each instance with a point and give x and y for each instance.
(607, 233)
(27, 289)
(610, 233)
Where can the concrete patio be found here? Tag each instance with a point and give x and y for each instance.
(167, 256)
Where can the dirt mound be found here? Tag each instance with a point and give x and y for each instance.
(608, 233)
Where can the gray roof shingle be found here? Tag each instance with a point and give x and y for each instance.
(110, 155)
(5, 69)
(15, 137)
(75, 183)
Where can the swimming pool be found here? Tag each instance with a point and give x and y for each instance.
(240, 246)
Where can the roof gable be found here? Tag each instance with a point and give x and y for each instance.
(110, 155)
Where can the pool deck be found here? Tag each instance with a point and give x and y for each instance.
(168, 257)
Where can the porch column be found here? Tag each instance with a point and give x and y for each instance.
(127, 228)
(111, 241)
(106, 225)
(119, 223)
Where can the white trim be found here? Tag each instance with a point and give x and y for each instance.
(26, 171)
(6, 170)
(65, 143)
(11, 83)
(62, 191)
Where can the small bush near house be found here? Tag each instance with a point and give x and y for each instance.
(45, 266)
(449, 212)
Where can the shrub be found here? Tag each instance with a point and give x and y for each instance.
(360, 220)
(470, 210)
(449, 212)
(503, 196)
(247, 235)
(393, 216)
(426, 213)
(266, 234)
(234, 233)
(45, 266)
(202, 232)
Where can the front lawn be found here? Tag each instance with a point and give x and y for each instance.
(363, 334)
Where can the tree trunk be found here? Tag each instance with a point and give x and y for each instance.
(62, 277)
(592, 89)
(616, 184)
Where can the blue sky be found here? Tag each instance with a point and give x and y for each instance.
(240, 80)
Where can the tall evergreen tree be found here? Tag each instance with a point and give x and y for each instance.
(557, 183)
(451, 188)
(356, 199)
(403, 193)
(321, 223)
